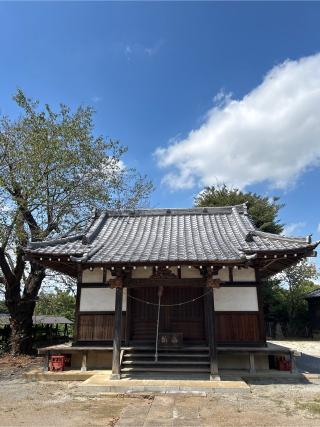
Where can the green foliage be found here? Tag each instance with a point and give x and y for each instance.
(262, 210)
(283, 297)
(3, 307)
(54, 171)
(57, 303)
(275, 301)
(297, 281)
(54, 168)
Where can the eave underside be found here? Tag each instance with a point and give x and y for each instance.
(266, 264)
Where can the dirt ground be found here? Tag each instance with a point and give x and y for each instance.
(270, 403)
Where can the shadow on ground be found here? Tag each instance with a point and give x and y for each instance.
(294, 380)
(308, 363)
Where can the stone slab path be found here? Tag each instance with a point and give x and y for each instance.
(175, 410)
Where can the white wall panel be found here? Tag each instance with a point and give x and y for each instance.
(236, 298)
(100, 299)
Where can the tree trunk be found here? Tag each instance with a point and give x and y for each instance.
(21, 328)
(21, 308)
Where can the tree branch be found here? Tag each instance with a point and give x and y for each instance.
(6, 270)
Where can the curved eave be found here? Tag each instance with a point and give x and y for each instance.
(62, 266)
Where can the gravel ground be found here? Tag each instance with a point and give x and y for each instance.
(270, 403)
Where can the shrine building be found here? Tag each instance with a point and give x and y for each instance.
(169, 290)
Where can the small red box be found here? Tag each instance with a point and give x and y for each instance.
(283, 364)
(56, 363)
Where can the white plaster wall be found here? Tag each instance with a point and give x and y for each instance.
(190, 273)
(100, 299)
(223, 274)
(94, 276)
(236, 299)
(244, 275)
(109, 275)
(142, 273)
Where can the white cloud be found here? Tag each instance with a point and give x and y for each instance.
(138, 49)
(154, 49)
(96, 99)
(271, 135)
(290, 229)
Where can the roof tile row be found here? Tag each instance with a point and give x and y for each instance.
(150, 235)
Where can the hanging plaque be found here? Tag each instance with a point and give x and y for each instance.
(170, 339)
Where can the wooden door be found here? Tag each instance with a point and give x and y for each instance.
(187, 318)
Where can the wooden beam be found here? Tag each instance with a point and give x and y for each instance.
(117, 336)
(213, 353)
(140, 283)
(128, 318)
(77, 308)
(230, 269)
(104, 276)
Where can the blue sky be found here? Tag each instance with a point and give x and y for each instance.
(157, 71)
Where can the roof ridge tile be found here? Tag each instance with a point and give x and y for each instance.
(210, 210)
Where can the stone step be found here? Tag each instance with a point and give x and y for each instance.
(151, 354)
(191, 360)
(177, 363)
(152, 348)
(162, 369)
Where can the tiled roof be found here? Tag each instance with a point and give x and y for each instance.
(150, 235)
(38, 320)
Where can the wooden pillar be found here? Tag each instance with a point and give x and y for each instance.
(78, 296)
(117, 335)
(293, 368)
(46, 359)
(262, 328)
(128, 318)
(213, 352)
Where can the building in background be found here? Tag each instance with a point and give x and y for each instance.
(313, 299)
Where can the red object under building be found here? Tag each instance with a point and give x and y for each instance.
(56, 363)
